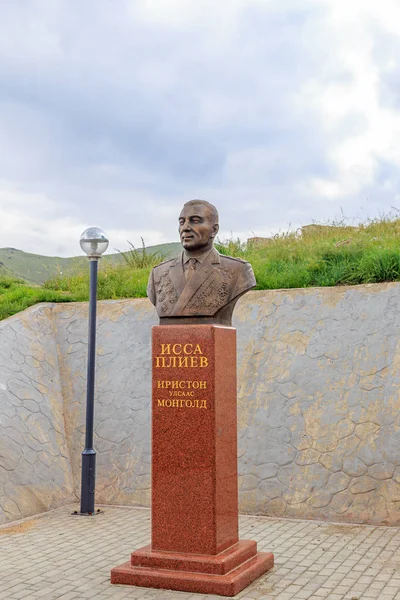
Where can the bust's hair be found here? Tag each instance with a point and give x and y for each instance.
(211, 207)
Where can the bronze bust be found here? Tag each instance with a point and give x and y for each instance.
(200, 285)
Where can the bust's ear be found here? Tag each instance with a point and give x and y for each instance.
(215, 230)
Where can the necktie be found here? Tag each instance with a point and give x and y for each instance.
(191, 267)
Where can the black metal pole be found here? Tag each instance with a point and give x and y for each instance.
(89, 454)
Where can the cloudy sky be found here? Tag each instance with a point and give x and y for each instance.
(115, 112)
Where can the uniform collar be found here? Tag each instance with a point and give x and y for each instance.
(201, 258)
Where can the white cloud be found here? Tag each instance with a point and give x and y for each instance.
(31, 222)
(181, 13)
(277, 111)
(350, 32)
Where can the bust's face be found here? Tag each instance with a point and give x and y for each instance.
(196, 228)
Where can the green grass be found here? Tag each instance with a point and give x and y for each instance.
(16, 295)
(142, 258)
(329, 255)
(114, 281)
(36, 269)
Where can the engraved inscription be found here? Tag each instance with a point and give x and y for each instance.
(181, 362)
(182, 385)
(181, 392)
(168, 403)
(181, 356)
(181, 349)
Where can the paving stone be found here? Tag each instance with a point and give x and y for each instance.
(70, 559)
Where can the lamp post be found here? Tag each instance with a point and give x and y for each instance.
(93, 242)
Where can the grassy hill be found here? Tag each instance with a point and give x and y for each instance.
(318, 255)
(36, 269)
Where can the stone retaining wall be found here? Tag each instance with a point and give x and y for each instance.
(35, 468)
(318, 404)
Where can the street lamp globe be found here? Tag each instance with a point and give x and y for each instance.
(94, 242)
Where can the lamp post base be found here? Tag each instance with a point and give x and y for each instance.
(88, 481)
(82, 514)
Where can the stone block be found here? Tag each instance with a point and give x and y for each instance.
(194, 530)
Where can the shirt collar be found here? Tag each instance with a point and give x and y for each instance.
(201, 258)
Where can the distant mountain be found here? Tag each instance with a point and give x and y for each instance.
(36, 269)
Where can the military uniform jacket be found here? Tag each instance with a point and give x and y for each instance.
(216, 283)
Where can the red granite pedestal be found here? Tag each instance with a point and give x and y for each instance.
(194, 544)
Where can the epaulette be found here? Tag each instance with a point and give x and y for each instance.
(233, 258)
(164, 262)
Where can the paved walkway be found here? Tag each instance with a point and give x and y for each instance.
(60, 556)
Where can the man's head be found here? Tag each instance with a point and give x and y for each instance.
(198, 226)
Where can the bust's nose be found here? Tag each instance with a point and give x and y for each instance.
(186, 226)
